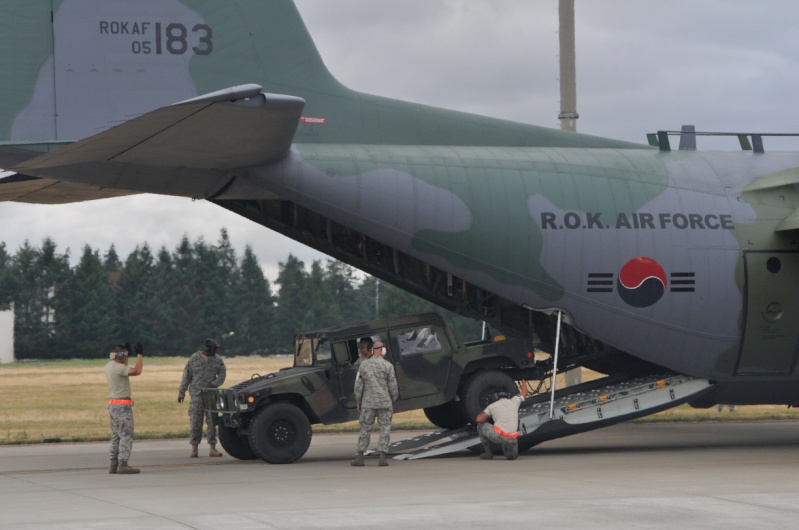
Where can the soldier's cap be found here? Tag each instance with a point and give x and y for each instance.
(496, 396)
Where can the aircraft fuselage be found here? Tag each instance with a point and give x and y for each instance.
(665, 256)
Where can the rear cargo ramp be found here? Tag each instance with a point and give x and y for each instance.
(605, 404)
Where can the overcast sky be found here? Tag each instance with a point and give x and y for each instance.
(642, 65)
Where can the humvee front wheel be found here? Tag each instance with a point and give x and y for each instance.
(280, 433)
(235, 445)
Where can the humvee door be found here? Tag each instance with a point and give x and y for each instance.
(422, 356)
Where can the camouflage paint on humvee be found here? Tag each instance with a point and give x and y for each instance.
(435, 371)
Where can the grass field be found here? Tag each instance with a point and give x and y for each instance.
(66, 401)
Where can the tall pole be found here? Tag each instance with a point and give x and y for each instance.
(377, 298)
(568, 75)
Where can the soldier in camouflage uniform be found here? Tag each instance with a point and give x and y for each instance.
(499, 423)
(364, 350)
(375, 392)
(118, 374)
(204, 369)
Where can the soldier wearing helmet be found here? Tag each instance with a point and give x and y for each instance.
(204, 369)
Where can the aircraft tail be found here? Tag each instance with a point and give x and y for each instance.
(74, 68)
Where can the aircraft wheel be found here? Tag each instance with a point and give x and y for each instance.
(447, 415)
(477, 391)
(280, 433)
(235, 445)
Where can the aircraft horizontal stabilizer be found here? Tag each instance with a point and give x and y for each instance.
(236, 127)
(781, 179)
(25, 188)
(789, 223)
(35, 190)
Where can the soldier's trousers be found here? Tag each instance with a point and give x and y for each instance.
(367, 420)
(121, 431)
(510, 446)
(196, 415)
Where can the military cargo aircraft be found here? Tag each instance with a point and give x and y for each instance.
(653, 260)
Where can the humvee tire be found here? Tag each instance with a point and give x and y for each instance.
(235, 445)
(478, 389)
(447, 415)
(280, 433)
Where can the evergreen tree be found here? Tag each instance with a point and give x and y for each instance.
(223, 274)
(111, 260)
(368, 295)
(185, 281)
(321, 308)
(172, 301)
(343, 289)
(7, 283)
(85, 310)
(255, 312)
(292, 302)
(135, 296)
(167, 311)
(37, 276)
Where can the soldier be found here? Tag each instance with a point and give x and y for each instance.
(204, 369)
(118, 374)
(375, 391)
(504, 411)
(365, 350)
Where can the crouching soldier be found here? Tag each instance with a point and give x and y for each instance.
(504, 412)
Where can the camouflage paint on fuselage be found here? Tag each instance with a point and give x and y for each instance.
(536, 235)
(684, 259)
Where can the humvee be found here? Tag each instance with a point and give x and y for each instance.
(270, 416)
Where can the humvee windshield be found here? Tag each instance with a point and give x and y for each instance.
(306, 347)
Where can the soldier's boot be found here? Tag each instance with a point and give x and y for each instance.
(112, 469)
(193, 453)
(124, 469)
(382, 461)
(358, 462)
(213, 451)
(488, 455)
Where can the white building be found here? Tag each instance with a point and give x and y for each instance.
(6, 337)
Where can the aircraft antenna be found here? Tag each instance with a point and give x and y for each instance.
(568, 74)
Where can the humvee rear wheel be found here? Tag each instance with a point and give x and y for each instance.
(478, 389)
(280, 433)
(235, 445)
(447, 415)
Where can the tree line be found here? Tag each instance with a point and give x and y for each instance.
(170, 301)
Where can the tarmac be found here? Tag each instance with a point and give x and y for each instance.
(639, 475)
